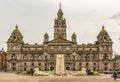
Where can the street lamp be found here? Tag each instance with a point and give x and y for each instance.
(86, 63)
(115, 61)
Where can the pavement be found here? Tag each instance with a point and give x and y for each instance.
(12, 77)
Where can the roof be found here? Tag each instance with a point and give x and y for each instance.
(32, 46)
(60, 40)
(88, 45)
(103, 32)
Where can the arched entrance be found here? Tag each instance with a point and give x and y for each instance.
(14, 68)
(51, 68)
(67, 68)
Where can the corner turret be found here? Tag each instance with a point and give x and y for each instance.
(73, 37)
(15, 41)
(16, 36)
(46, 37)
(103, 36)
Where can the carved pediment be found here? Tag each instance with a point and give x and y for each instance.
(60, 40)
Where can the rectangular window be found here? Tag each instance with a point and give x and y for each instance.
(24, 68)
(105, 64)
(73, 64)
(45, 64)
(87, 64)
(80, 69)
(105, 68)
(14, 68)
(39, 64)
(25, 64)
(79, 64)
(94, 68)
(32, 64)
(14, 64)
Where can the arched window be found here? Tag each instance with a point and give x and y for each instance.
(25, 57)
(25, 64)
(24, 68)
(81, 57)
(94, 57)
(73, 58)
(67, 57)
(14, 68)
(46, 58)
(87, 57)
(105, 57)
(14, 64)
(32, 58)
(52, 68)
(67, 68)
(78, 57)
(14, 57)
(39, 57)
(52, 57)
(80, 64)
(80, 69)
(40, 68)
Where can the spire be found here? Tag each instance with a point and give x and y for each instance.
(16, 26)
(103, 28)
(60, 12)
(59, 6)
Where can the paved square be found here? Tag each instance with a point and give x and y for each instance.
(12, 77)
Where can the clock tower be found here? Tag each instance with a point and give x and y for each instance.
(60, 25)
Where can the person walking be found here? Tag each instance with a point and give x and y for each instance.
(114, 75)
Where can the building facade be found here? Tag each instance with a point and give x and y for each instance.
(3, 56)
(22, 56)
(116, 62)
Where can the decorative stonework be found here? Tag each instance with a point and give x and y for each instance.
(97, 56)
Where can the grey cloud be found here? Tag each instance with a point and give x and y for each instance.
(116, 16)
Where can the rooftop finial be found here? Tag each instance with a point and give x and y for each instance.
(60, 13)
(16, 26)
(103, 26)
(59, 5)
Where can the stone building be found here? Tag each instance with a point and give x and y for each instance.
(2, 60)
(116, 62)
(22, 56)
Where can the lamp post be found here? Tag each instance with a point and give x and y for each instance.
(115, 62)
(86, 63)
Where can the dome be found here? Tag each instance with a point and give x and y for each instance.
(103, 32)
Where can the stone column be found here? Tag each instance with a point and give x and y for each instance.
(60, 64)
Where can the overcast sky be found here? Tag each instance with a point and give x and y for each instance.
(36, 17)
